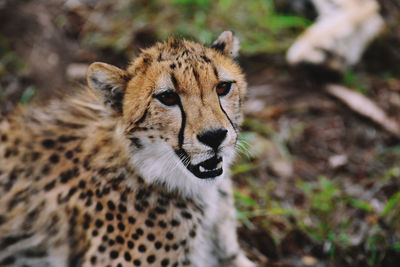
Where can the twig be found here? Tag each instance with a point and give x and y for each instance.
(364, 106)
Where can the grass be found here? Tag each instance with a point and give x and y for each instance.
(201, 20)
(330, 214)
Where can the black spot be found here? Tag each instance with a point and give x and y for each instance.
(175, 222)
(175, 246)
(127, 256)
(69, 154)
(95, 233)
(138, 207)
(192, 233)
(169, 236)
(135, 236)
(162, 224)
(152, 216)
(122, 208)
(109, 216)
(121, 226)
(151, 237)
(110, 228)
(137, 262)
(186, 215)
(131, 220)
(130, 244)
(119, 216)
(93, 259)
(160, 210)
(82, 184)
(104, 238)
(165, 262)
(113, 254)
(142, 248)
(159, 58)
(120, 239)
(158, 245)
(99, 223)
(67, 175)
(149, 223)
(111, 242)
(105, 191)
(139, 231)
(151, 259)
(172, 66)
(111, 205)
(167, 247)
(102, 248)
(48, 143)
(88, 202)
(50, 185)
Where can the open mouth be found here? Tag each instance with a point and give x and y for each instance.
(208, 169)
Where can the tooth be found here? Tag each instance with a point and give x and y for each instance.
(219, 165)
(201, 168)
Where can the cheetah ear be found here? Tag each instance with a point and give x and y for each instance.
(227, 44)
(110, 82)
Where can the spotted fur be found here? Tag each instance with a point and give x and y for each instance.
(112, 176)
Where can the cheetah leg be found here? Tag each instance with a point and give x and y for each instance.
(227, 244)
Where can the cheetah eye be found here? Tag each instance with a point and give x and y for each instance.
(223, 88)
(168, 98)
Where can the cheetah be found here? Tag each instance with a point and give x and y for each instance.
(132, 170)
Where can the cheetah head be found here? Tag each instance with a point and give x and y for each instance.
(180, 106)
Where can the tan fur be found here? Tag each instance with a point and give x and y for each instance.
(94, 179)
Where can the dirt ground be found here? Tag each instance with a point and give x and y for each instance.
(309, 134)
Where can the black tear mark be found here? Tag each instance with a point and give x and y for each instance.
(181, 134)
(229, 119)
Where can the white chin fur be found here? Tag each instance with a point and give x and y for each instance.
(158, 163)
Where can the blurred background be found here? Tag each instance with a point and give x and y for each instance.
(317, 182)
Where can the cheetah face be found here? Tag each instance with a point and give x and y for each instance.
(180, 103)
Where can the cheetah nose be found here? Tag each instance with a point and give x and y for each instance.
(213, 138)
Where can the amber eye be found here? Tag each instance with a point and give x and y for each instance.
(223, 88)
(168, 98)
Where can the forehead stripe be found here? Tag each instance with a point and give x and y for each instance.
(174, 81)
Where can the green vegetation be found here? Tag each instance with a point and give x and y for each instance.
(202, 20)
(329, 212)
